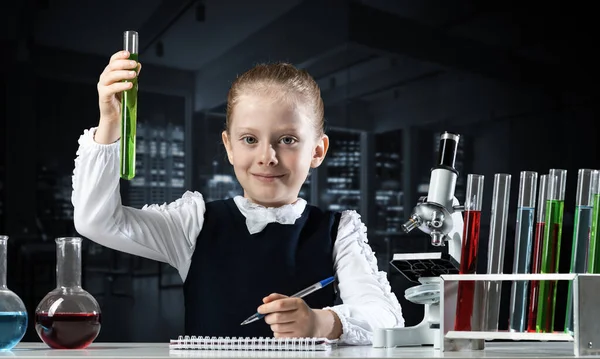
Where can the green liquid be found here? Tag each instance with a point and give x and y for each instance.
(128, 127)
(581, 237)
(550, 258)
(594, 250)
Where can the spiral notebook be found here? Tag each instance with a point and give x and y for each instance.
(260, 344)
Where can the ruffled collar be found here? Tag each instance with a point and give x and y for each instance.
(257, 216)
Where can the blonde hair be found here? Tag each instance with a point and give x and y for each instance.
(280, 81)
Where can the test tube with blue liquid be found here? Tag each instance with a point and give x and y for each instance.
(555, 205)
(581, 234)
(523, 249)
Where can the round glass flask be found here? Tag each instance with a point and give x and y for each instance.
(68, 317)
(13, 315)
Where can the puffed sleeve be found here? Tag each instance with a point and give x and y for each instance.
(368, 302)
(165, 233)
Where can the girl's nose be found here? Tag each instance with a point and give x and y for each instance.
(268, 156)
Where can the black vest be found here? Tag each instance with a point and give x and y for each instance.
(232, 270)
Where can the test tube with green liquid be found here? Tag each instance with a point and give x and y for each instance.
(555, 204)
(594, 247)
(581, 234)
(129, 111)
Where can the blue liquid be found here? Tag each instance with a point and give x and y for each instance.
(579, 264)
(12, 328)
(522, 264)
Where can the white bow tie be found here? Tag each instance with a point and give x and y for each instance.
(257, 216)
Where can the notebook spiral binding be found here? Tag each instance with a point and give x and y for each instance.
(246, 343)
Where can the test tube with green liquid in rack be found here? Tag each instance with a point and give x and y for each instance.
(594, 247)
(557, 181)
(129, 111)
(581, 234)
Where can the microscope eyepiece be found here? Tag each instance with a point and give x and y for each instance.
(447, 150)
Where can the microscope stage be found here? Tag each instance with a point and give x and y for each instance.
(424, 265)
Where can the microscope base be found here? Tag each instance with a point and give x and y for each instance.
(420, 335)
(426, 333)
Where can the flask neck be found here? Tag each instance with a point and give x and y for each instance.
(3, 250)
(68, 262)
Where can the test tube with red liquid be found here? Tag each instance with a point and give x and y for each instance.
(536, 255)
(468, 256)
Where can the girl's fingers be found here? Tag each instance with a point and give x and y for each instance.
(108, 78)
(122, 65)
(117, 87)
(119, 55)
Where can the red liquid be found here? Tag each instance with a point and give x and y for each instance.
(67, 330)
(536, 266)
(468, 265)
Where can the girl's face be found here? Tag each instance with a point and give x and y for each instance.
(272, 145)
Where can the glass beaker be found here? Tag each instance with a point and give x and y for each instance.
(13, 315)
(68, 317)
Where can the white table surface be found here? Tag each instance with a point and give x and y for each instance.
(161, 350)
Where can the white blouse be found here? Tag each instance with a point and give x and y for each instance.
(168, 233)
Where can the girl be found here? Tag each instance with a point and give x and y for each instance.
(233, 254)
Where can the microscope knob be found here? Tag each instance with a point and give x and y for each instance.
(437, 219)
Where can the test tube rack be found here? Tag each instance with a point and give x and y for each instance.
(586, 311)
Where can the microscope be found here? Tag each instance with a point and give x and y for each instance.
(439, 215)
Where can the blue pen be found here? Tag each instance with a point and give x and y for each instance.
(301, 294)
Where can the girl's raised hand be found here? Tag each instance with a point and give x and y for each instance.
(111, 84)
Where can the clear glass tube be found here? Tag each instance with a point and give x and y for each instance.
(557, 181)
(582, 226)
(536, 258)
(68, 262)
(523, 248)
(594, 247)
(13, 315)
(129, 101)
(496, 244)
(3, 255)
(468, 257)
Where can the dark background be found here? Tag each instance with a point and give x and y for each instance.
(515, 79)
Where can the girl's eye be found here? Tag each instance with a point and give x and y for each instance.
(288, 140)
(249, 140)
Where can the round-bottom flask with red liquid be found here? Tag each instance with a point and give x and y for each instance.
(68, 317)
